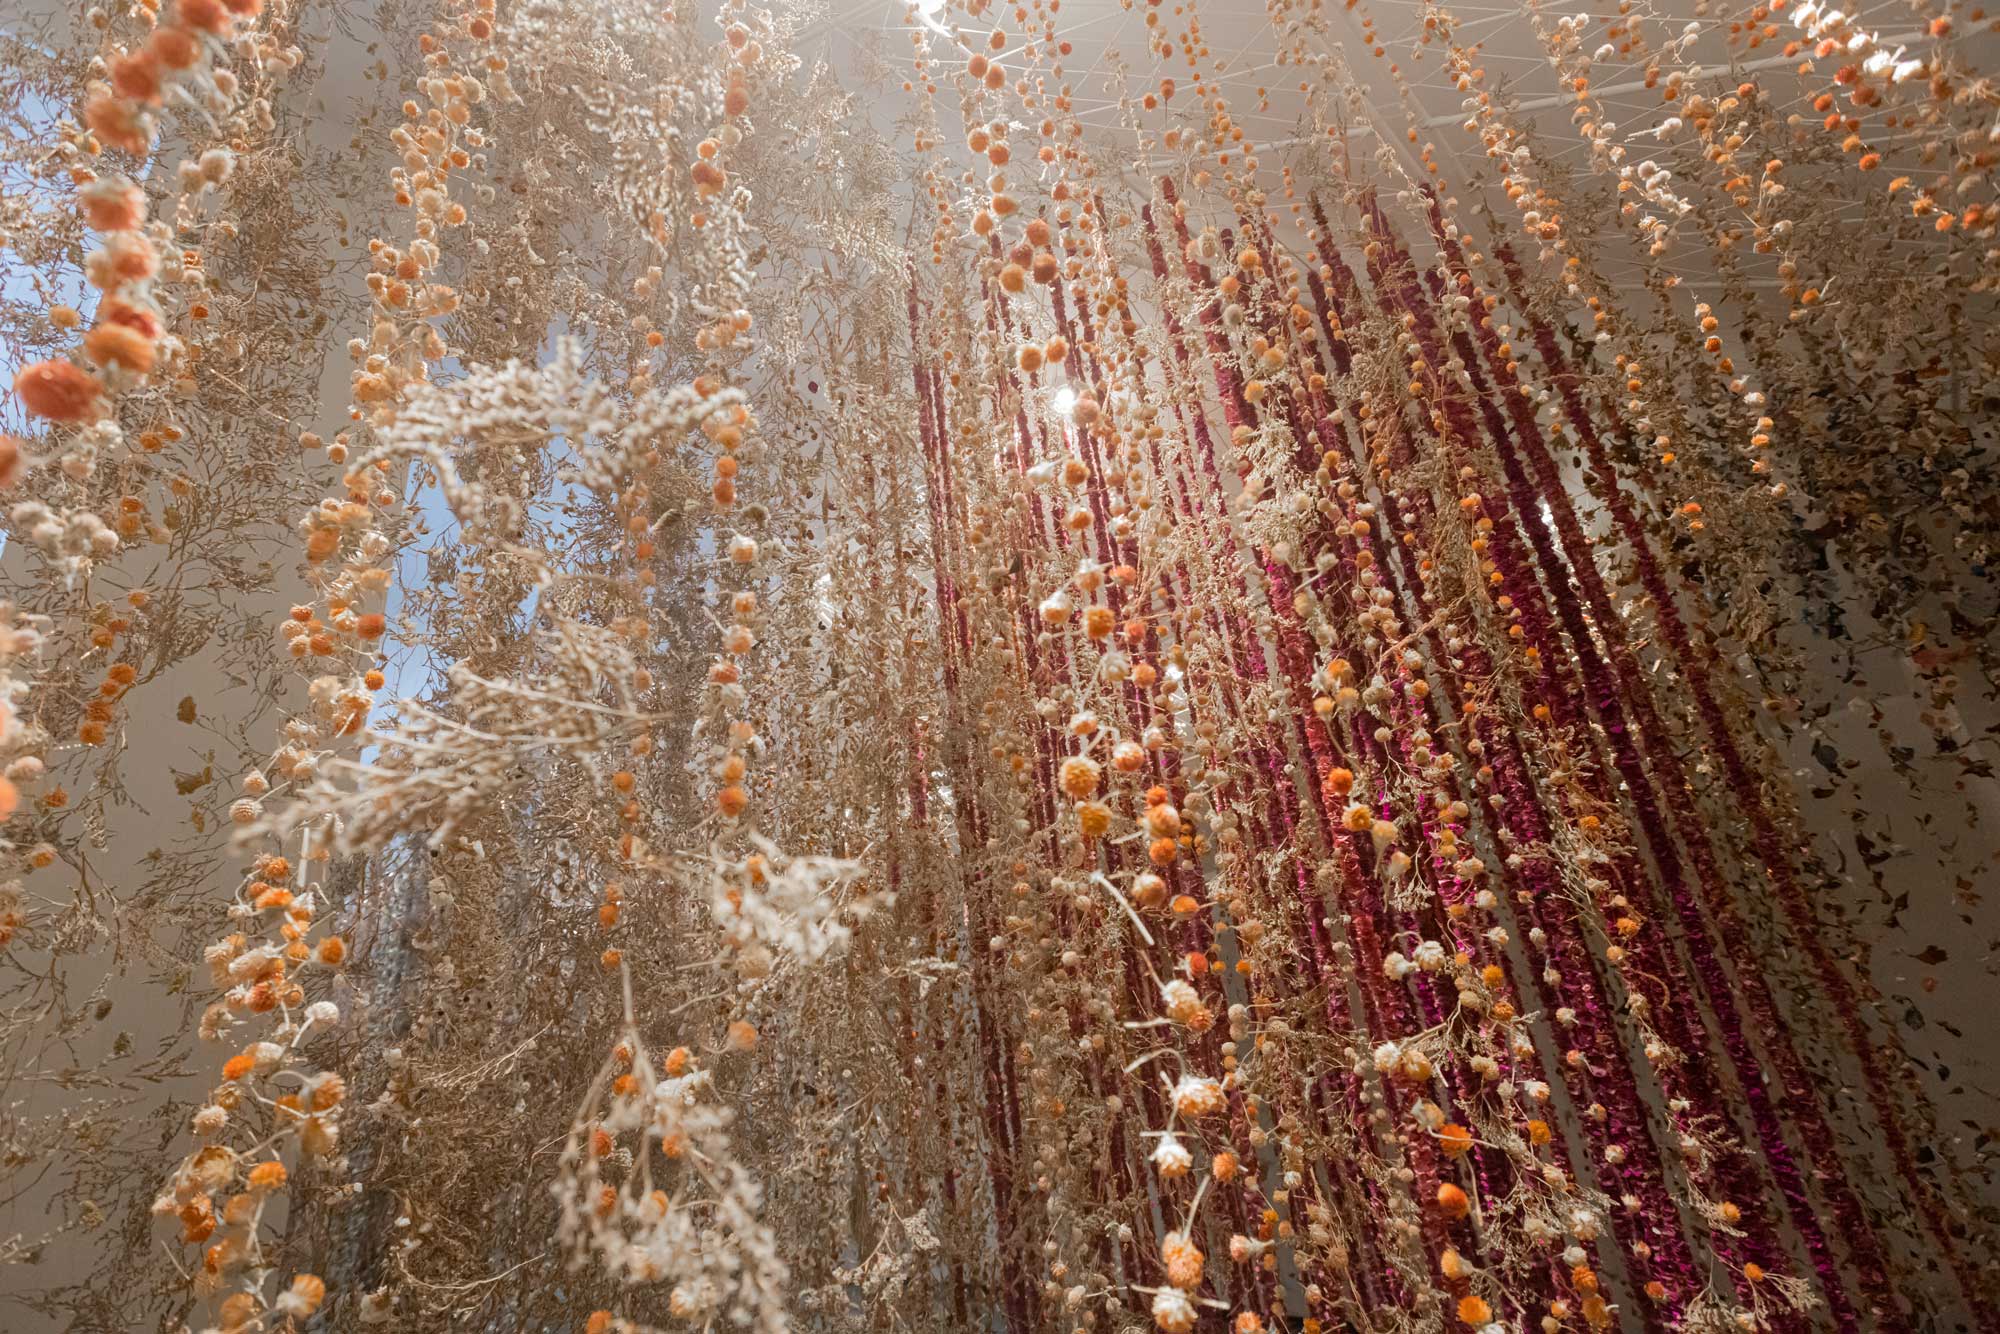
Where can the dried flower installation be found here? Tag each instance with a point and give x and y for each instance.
(1188, 667)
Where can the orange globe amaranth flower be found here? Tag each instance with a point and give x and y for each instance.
(174, 47)
(327, 1091)
(128, 257)
(197, 1218)
(119, 345)
(1079, 777)
(207, 16)
(113, 204)
(304, 1296)
(59, 390)
(1183, 1259)
(136, 76)
(119, 124)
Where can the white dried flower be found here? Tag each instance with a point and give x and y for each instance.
(1172, 1157)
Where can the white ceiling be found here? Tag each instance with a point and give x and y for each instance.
(1244, 45)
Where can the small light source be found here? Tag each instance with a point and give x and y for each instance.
(1065, 399)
